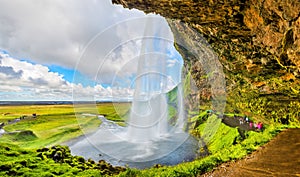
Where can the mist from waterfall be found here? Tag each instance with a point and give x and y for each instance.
(149, 112)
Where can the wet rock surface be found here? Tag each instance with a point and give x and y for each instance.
(239, 30)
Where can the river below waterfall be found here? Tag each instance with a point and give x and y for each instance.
(108, 143)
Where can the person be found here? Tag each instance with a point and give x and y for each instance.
(251, 124)
(241, 121)
(246, 119)
(209, 112)
(259, 126)
(255, 125)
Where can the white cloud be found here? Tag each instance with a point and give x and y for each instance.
(67, 33)
(56, 32)
(36, 82)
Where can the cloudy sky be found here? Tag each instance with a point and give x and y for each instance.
(82, 50)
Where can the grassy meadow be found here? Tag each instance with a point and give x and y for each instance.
(55, 124)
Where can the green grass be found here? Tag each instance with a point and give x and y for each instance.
(16, 161)
(12, 112)
(53, 125)
(49, 129)
(56, 124)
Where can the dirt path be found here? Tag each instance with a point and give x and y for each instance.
(279, 158)
(234, 122)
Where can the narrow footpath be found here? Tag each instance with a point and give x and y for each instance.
(278, 158)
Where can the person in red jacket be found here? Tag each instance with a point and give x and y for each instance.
(251, 124)
(259, 126)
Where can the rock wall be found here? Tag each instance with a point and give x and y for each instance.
(257, 41)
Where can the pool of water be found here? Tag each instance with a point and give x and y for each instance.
(110, 143)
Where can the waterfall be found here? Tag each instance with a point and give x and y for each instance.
(179, 127)
(149, 113)
(155, 127)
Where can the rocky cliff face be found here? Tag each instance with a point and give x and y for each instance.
(258, 44)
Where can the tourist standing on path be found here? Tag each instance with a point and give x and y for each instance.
(246, 119)
(259, 126)
(241, 121)
(251, 124)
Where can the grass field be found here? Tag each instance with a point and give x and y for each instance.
(55, 124)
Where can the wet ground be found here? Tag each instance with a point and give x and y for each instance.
(279, 158)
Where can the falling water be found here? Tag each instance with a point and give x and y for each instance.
(149, 112)
(179, 127)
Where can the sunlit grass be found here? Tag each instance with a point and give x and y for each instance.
(16, 161)
(50, 129)
(56, 124)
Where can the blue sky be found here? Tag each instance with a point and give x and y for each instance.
(68, 75)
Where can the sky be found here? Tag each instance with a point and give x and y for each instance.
(77, 50)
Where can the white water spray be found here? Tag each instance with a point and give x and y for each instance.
(149, 113)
